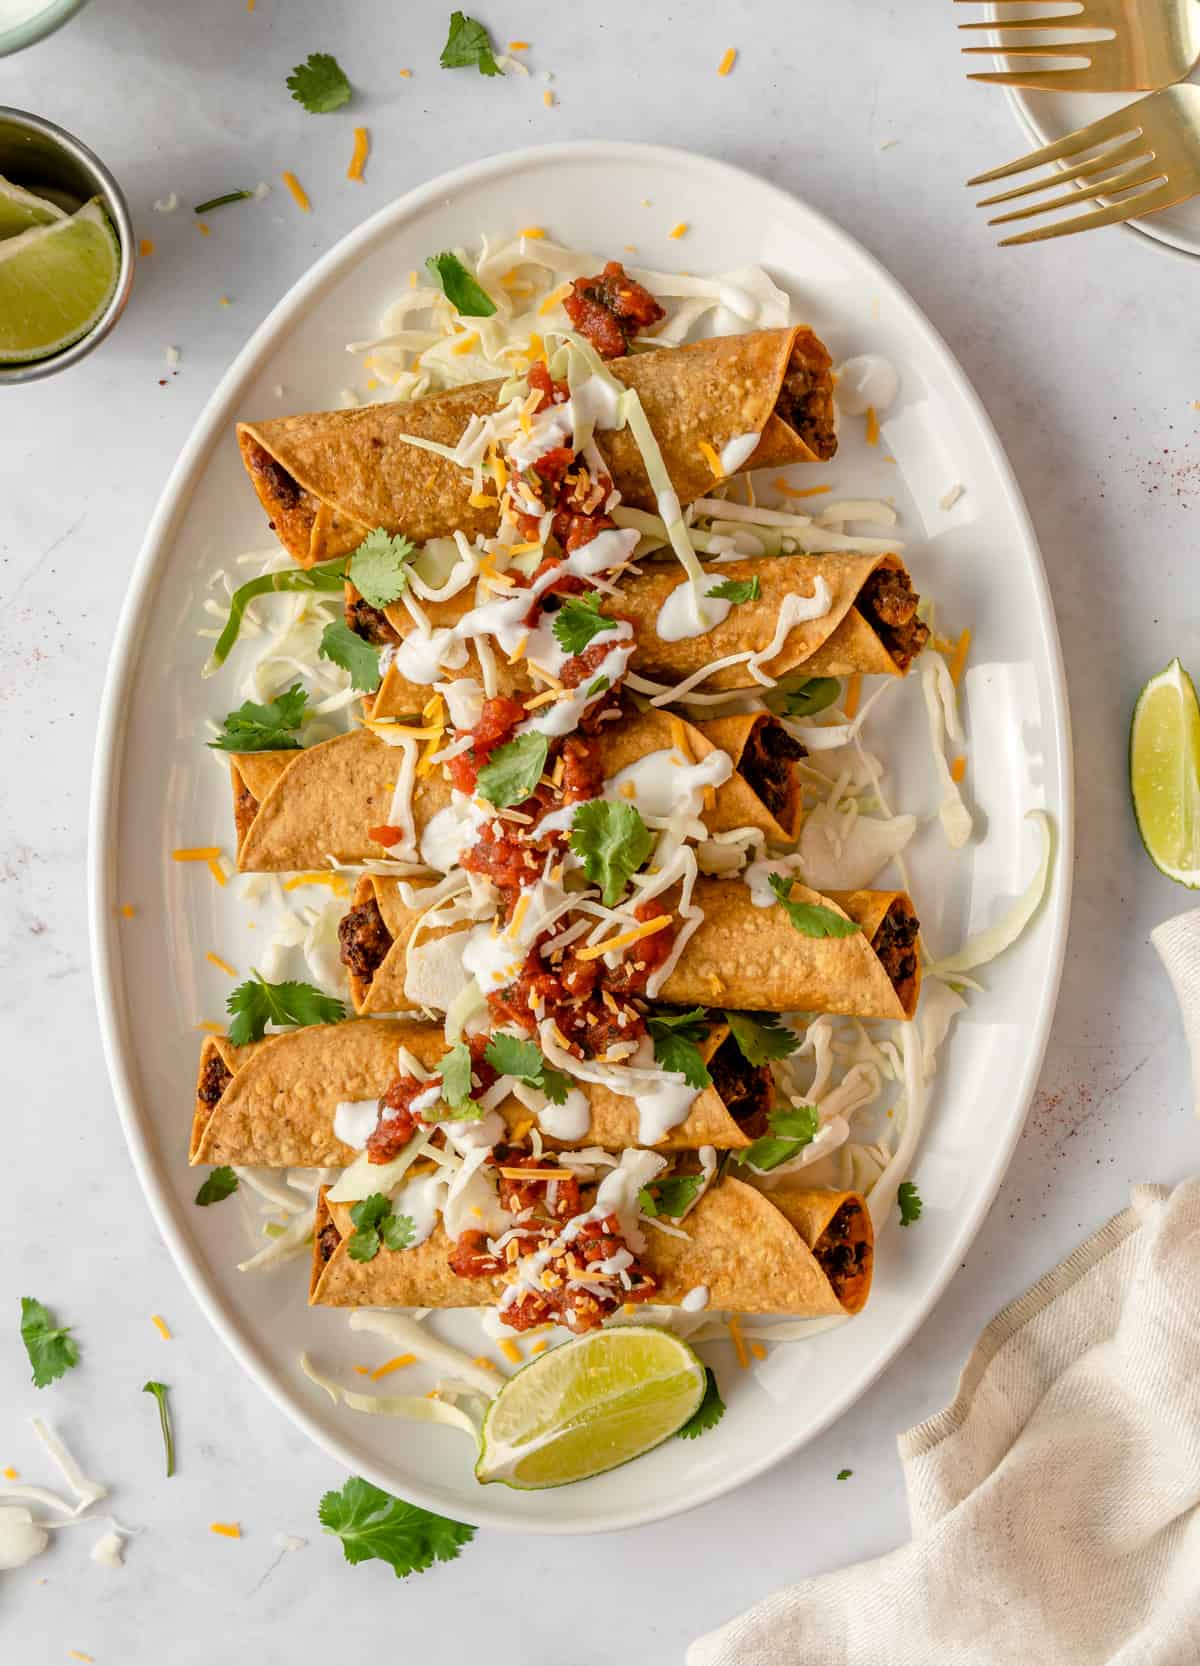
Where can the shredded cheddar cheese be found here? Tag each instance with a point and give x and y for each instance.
(161, 1326)
(540, 1346)
(466, 343)
(552, 300)
(484, 1363)
(146, 247)
(217, 871)
(545, 699)
(676, 232)
(407, 74)
(358, 161)
(527, 231)
(221, 965)
(397, 1364)
(535, 1174)
(410, 733)
(739, 1342)
(201, 853)
(299, 195)
(511, 1352)
(958, 769)
(799, 491)
(227, 1529)
(78, 1654)
(853, 693)
(872, 426)
(127, 911)
(757, 1349)
(205, 231)
(362, 1370)
(625, 938)
(713, 461)
(548, 99)
(679, 738)
(958, 663)
(481, 500)
(10, 1474)
(728, 61)
(524, 549)
(210, 1028)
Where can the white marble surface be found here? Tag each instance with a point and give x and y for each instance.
(1083, 353)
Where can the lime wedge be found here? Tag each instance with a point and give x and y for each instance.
(588, 1406)
(20, 209)
(55, 281)
(1164, 773)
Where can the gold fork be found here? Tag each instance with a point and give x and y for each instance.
(1149, 160)
(1154, 44)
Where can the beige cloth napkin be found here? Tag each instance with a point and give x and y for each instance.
(1056, 1503)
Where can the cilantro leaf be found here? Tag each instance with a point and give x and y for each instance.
(708, 1413)
(159, 1391)
(379, 567)
(372, 1524)
(465, 294)
(398, 1231)
(811, 919)
(241, 195)
(455, 1071)
(364, 1244)
(736, 589)
(327, 576)
(578, 620)
(791, 1129)
(371, 1210)
(256, 1003)
(265, 728)
(49, 1346)
(675, 1044)
(909, 1199)
(375, 1224)
(466, 44)
(340, 644)
(513, 770)
(508, 1055)
(613, 841)
(761, 1036)
(812, 695)
(844, 1474)
(320, 84)
(221, 1183)
(672, 1197)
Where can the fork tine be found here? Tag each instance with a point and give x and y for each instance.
(1113, 215)
(1133, 148)
(1102, 188)
(1116, 126)
(1064, 20)
(1062, 49)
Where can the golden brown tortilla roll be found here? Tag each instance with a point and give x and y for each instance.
(328, 478)
(271, 1104)
(801, 1252)
(295, 810)
(871, 626)
(740, 956)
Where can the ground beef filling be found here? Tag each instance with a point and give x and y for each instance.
(806, 400)
(365, 940)
(282, 487)
(214, 1079)
(768, 765)
(895, 942)
(840, 1252)
(245, 808)
(327, 1241)
(371, 623)
(745, 1088)
(889, 603)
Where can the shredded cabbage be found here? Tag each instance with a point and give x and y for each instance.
(414, 1338)
(941, 704)
(417, 1408)
(364, 1177)
(986, 945)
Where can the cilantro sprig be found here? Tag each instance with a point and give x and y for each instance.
(761, 1036)
(241, 195)
(791, 1129)
(256, 1003)
(909, 1199)
(373, 1525)
(269, 727)
(708, 1413)
(513, 770)
(455, 1070)
(221, 1183)
(159, 1391)
(319, 84)
(468, 43)
(464, 292)
(327, 576)
(508, 1055)
(811, 919)
(379, 568)
(376, 1226)
(676, 1037)
(578, 620)
(50, 1346)
(672, 1197)
(613, 841)
(736, 590)
(347, 649)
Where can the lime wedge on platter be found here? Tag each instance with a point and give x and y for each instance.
(1164, 773)
(588, 1406)
(55, 282)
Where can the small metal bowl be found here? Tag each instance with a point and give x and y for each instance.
(33, 29)
(45, 158)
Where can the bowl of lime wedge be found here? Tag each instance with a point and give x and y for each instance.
(66, 248)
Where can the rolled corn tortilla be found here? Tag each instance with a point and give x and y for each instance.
(851, 635)
(272, 1103)
(299, 809)
(328, 478)
(740, 956)
(802, 1252)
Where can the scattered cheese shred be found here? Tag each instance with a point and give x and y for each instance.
(466, 343)
(552, 300)
(799, 491)
(78, 1654)
(407, 74)
(872, 426)
(362, 1370)
(200, 853)
(545, 699)
(739, 1341)
(481, 500)
(337, 883)
(397, 1364)
(217, 871)
(958, 664)
(484, 1363)
(540, 1346)
(536, 1174)
(127, 911)
(161, 1326)
(221, 965)
(524, 549)
(676, 232)
(210, 1028)
(204, 230)
(227, 1529)
(713, 461)
(362, 147)
(958, 769)
(537, 347)
(510, 1351)
(853, 692)
(548, 99)
(527, 231)
(146, 247)
(299, 195)
(625, 938)
(728, 61)
(10, 1474)
(757, 1349)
